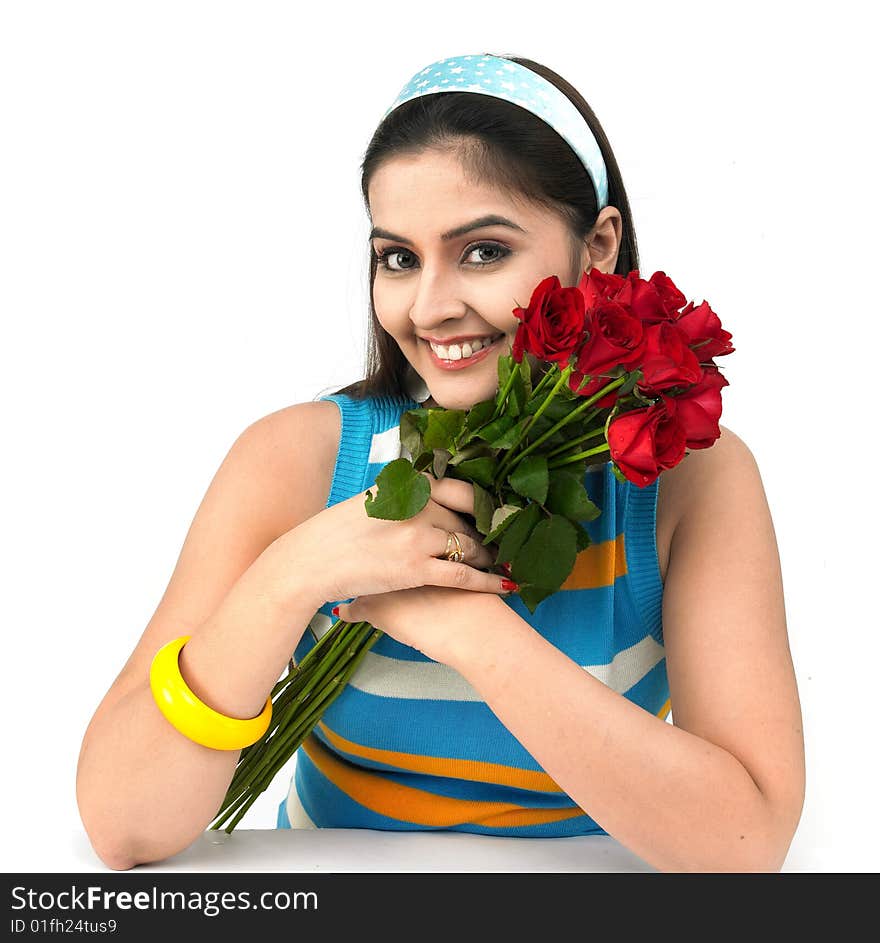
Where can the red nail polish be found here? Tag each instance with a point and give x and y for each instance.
(335, 610)
(506, 568)
(509, 584)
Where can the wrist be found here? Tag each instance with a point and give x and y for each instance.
(290, 582)
(488, 626)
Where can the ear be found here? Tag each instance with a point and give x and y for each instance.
(603, 241)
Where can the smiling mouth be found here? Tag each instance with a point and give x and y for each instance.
(461, 358)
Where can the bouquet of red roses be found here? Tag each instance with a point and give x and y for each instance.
(629, 376)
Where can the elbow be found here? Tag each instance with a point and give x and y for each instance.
(116, 862)
(759, 843)
(111, 852)
(769, 852)
(122, 853)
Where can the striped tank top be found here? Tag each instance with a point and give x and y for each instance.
(409, 744)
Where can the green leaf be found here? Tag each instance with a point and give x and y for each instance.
(505, 367)
(484, 509)
(509, 438)
(410, 432)
(567, 495)
(502, 518)
(476, 417)
(542, 425)
(630, 382)
(516, 398)
(618, 474)
(418, 416)
(583, 538)
(424, 460)
(533, 595)
(525, 370)
(476, 449)
(530, 477)
(518, 532)
(548, 555)
(496, 429)
(479, 470)
(443, 427)
(401, 492)
(441, 460)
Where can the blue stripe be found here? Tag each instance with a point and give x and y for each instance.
(590, 625)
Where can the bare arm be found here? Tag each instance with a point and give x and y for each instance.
(722, 789)
(262, 555)
(145, 791)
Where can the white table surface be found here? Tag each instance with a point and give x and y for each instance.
(341, 850)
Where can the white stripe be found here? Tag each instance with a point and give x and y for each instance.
(392, 677)
(295, 812)
(385, 446)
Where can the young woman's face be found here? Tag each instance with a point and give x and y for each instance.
(436, 281)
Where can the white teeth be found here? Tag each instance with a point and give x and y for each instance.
(463, 351)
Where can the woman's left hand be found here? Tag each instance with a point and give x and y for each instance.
(432, 619)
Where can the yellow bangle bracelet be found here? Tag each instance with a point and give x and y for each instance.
(192, 717)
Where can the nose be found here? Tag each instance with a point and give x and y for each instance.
(437, 300)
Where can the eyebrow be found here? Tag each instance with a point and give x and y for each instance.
(481, 223)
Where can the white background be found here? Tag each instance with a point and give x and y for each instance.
(183, 250)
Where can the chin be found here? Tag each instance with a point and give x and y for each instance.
(463, 401)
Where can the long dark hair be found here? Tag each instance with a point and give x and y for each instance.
(502, 143)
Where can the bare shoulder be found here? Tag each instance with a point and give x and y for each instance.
(728, 450)
(680, 487)
(295, 447)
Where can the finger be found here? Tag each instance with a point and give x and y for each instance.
(452, 493)
(462, 576)
(451, 521)
(349, 612)
(475, 554)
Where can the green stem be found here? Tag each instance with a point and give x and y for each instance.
(545, 379)
(291, 740)
(576, 458)
(284, 692)
(291, 711)
(499, 403)
(510, 456)
(567, 418)
(294, 728)
(566, 446)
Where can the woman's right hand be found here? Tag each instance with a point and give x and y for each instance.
(346, 553)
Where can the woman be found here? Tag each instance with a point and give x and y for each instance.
(471, 713)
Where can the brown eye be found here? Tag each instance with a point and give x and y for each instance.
(490, 247)
(385, 254)
(382, 257)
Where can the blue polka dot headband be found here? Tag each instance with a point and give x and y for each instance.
(501, 78)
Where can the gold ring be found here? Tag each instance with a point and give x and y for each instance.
(453, 553)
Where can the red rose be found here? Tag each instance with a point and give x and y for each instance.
(553, 324)
(698, 409)
(700, 325)
(657, 299)
(597, 287)
(645, 442)
(667, 360)
(591, 387)
(614, 336)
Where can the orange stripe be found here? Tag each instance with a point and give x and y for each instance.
(663, 713)
(474, 770)
(396, 801)
(600, 564)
